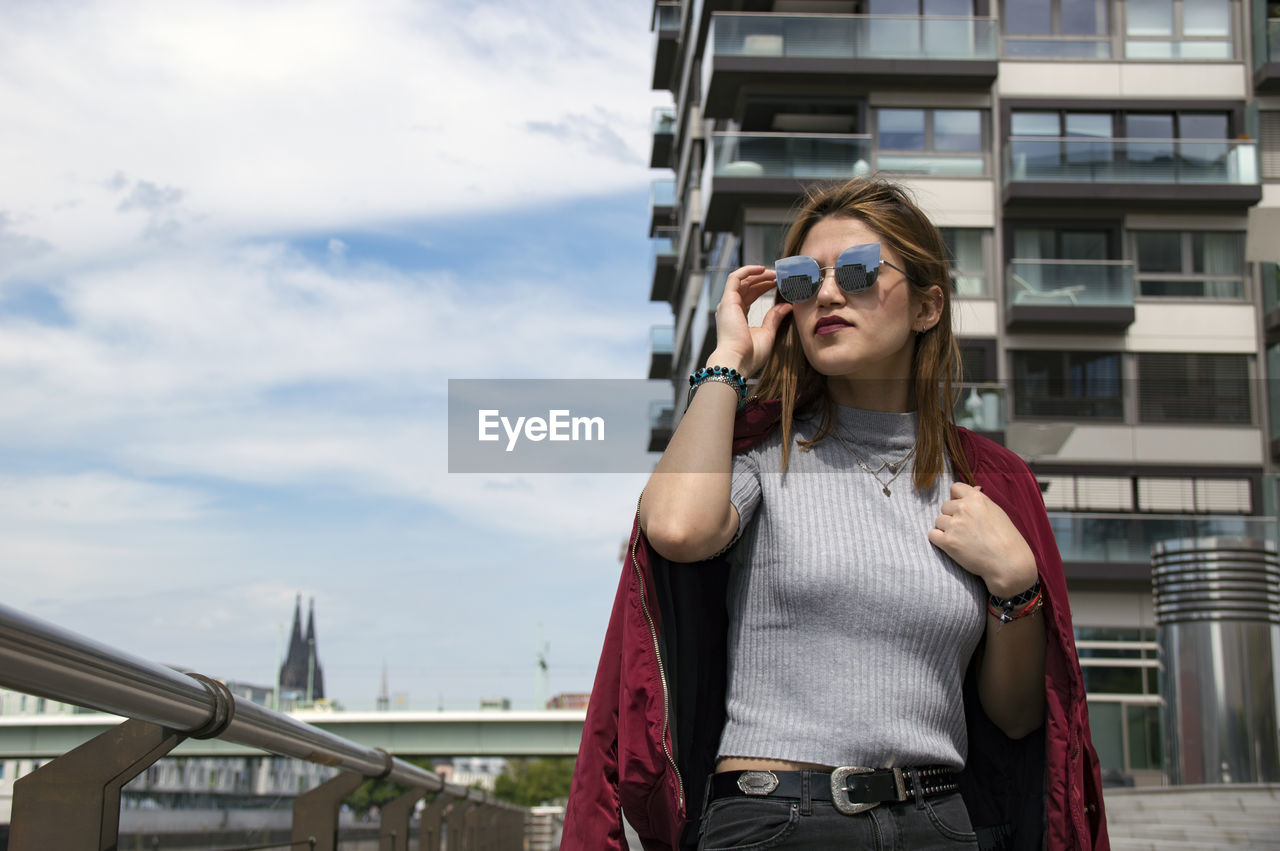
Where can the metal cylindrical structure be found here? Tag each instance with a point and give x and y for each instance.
(1217, 610)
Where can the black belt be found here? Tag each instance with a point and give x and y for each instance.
(851, 789)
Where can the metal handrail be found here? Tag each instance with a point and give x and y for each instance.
(44, 660)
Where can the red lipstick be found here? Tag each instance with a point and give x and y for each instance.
(830, 325)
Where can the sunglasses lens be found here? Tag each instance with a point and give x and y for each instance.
(798, 278)
(857, 267)
(855, 278)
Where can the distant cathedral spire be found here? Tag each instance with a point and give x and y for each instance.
(301, 673)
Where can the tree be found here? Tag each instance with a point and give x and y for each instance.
(530, 782)
(373, 793)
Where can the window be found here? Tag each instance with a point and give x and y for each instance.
(967, 252)
(931, 141)
(1160, 147)
(1057, 29)
(956, 8)
(1178, 29)
(1194, 495)
(1086, 493)
(1067, 385)
(1269, 143)
(1177, 387)
(1190, 264)
(1273, 391)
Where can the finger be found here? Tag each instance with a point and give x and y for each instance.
(938, 538)
(943, 523)
(741, 275)
(773, 319)
(951, 506)
(745, 284)
(959, 490)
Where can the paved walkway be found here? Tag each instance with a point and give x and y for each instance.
(1194, 817)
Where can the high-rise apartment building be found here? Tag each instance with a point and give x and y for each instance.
(1107, 176)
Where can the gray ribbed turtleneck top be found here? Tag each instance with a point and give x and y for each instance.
(849, 632)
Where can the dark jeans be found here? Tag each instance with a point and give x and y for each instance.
(754, 824)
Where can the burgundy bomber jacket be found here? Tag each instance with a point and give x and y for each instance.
(657, 706)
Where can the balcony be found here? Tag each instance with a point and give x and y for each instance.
(664, 266)
(933, 164)
(660, 350)
(982, 408)
(664, 127)
(662, 417)
(666, 28)
(838, 51)
(1173, 174)
(662, 205)
(1118, 546)
(1069, 295)
(772, 169)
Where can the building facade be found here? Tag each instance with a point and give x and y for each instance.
(1106, 174)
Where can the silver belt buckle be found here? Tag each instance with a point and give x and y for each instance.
(757, 782)
(840, 793)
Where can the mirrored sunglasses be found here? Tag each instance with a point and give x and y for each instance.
(856, 269)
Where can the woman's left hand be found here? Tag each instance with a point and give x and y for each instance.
(981, 538)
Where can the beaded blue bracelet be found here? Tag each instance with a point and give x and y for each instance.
(723, 375)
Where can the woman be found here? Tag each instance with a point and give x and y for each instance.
(897, 628)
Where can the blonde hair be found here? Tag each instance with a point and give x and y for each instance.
(887, 209)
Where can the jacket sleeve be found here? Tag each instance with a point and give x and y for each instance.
(593, 817)
(1074, 808)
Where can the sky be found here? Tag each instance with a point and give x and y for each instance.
(244, 246)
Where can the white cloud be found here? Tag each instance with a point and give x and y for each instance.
(255, 365)
(179, 356)
(94, 498)
(312, 113)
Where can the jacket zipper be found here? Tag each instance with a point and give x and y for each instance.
(657, 655)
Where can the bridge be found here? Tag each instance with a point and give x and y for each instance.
(148, 710)
(553, 732)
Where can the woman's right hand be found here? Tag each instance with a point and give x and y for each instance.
(739, 345)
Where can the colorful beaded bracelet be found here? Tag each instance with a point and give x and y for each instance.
(723, 375)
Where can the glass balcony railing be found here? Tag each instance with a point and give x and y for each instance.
(1128, 538)
(663, 246)
(803, 155)
(664, 120)
(1154, 161)
(662, 193)
(666, 18)
(1083, 283)
(661, 339)
(941, 165)
(662, 416)
(853, 36)
(1273, 39)
(981, 407)
(1060, 47)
